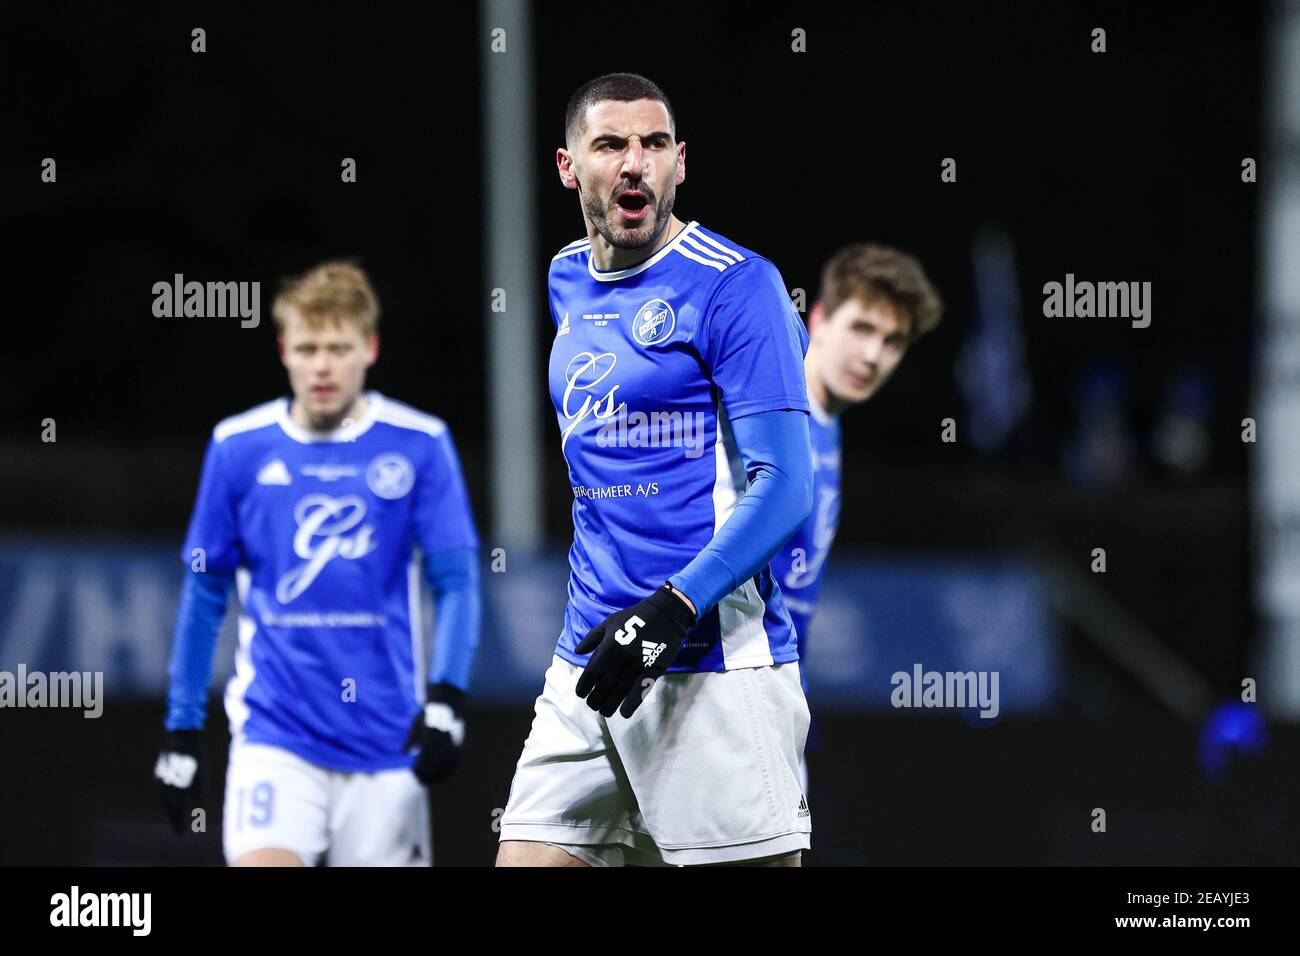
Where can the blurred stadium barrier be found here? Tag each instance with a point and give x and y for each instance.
(111, 607)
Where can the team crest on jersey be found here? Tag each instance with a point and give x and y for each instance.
(653, 322)
(390, 475)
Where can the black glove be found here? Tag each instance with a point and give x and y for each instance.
(633, 648)
(179, 772)
(439, 730)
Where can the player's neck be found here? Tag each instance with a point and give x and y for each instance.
(608, 258)
(818, 393)
(327, 424)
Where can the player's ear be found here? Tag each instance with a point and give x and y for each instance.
(681, 163)
(372, 349)
(816, 318)
(564, 164)
(279, 344)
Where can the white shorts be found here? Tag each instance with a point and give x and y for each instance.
(277, 800)
(705, 771)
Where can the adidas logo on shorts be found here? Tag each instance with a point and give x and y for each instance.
(650, 652)
(803, 807)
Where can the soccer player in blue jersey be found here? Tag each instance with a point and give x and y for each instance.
(670, 727)
(874, 303)
(312, 509)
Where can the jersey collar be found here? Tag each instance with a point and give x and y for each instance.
(615, 274)
(344, 433)
(822, 416)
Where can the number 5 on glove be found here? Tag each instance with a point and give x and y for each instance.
(632, 647)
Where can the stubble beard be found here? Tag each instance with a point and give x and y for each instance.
(598, 213)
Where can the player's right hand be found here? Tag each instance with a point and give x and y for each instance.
(179, 774)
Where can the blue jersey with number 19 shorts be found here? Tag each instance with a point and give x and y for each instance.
(650, 365)
(322, 530)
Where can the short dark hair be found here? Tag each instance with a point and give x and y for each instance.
(622, 87)
(876, 274)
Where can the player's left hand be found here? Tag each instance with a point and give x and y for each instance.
(439, 730)
(633, 649)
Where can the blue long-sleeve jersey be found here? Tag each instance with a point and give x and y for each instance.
(319, 535)
(799, 564)
(654, 372)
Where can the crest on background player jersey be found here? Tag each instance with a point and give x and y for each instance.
(390, 475)
(653, 322)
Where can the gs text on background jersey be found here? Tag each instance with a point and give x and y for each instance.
(648, 367)
(811, 544)
(320, 532)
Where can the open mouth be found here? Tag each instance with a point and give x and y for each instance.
(633, 204)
